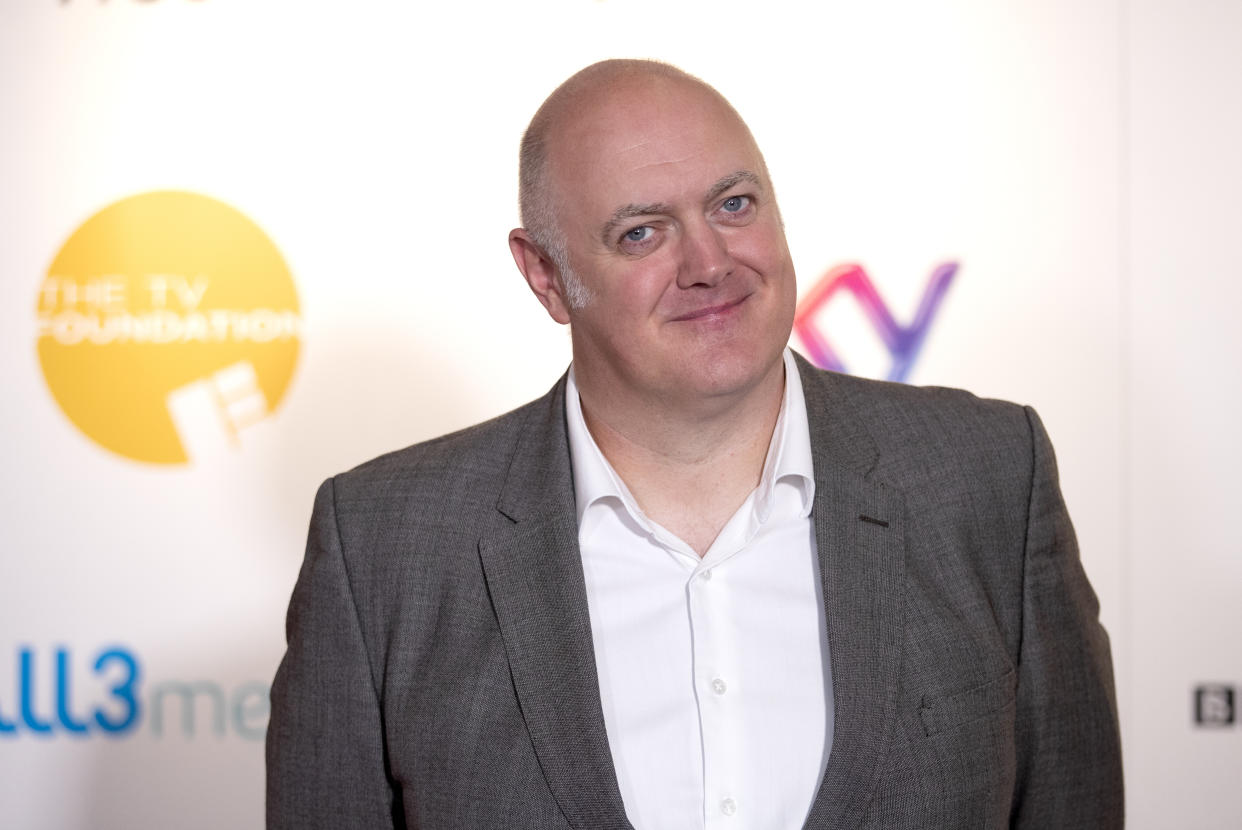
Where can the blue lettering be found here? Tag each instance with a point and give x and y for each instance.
(62, 694)
(29, 717)
(6, 727)
(188, 693)
(126, 691)
(123, 703)
(251, 708)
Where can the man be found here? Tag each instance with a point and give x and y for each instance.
(698, 584)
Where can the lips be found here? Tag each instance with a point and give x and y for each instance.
(707, 312)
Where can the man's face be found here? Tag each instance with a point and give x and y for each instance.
(672, 227)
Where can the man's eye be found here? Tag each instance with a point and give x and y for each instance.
(638, 234)
(736, 204)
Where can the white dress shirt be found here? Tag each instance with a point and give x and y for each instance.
(714, 673)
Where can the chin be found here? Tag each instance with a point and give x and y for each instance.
(733, 372)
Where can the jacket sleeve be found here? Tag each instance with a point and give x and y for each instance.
(1068, 743)
(325, 744)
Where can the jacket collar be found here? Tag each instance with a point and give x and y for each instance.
(534, 575)
(860, 534)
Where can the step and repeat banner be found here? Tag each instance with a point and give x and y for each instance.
(251, 244)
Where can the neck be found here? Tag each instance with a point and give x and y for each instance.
(688, 467)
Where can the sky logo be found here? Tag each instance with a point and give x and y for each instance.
(902, 342)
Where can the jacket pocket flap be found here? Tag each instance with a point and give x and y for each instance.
(940, 713)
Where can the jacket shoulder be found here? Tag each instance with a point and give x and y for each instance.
(452, 473)
(898, 415)
(931, 436)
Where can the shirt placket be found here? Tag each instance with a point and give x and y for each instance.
(718, 686)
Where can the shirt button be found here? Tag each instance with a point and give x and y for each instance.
(706, 576)
(728, 806)
(719, 686)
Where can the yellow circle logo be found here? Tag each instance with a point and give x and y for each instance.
(168, 325)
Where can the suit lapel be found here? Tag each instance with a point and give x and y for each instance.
(859, 531)
(534, 575)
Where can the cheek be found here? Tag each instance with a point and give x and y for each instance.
(621, 301)
(762, 246)
(644, 285)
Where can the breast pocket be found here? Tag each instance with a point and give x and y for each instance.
(942, 713)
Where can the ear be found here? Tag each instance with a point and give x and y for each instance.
(541, 274)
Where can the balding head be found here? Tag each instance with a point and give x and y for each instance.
(645, 182)
(586, 91)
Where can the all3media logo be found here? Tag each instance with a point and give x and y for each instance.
(54, 694)
(903, 342)
(168, 324)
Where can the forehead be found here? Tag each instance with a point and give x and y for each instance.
(645, 135)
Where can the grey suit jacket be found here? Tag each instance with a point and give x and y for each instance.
(440, 671)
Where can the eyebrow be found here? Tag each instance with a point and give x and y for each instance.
(731, 180)
(622, 214)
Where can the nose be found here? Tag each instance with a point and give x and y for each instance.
(705, 258)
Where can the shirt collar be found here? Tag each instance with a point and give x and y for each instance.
(789, 454)
(787, 464)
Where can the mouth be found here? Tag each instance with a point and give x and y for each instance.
(711, 312)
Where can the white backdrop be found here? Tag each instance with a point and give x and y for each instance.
(1077, 161)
